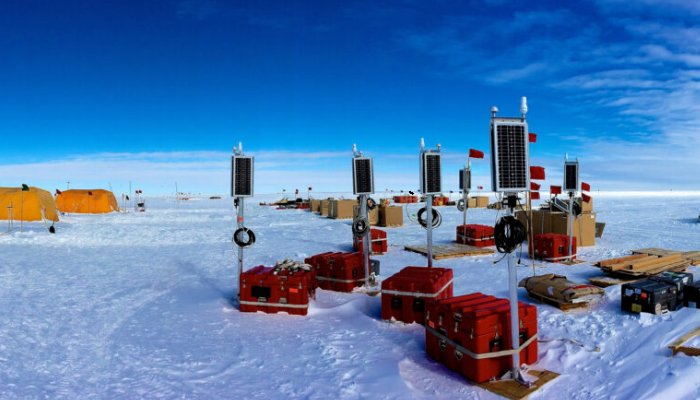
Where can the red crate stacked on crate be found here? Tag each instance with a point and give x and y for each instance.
(465, 333)
(475, 235)
(554, 247)
(338, 271)
(378, 240)
(272, 290)
(406, 293)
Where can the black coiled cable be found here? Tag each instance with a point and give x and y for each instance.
(509, 233)
(437, 218)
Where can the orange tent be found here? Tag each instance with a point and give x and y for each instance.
(32, 204)
(86, 201)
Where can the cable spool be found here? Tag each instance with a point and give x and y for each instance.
(509, 233)
(437, 218)
(239, 240)
(461, 205)
(360, 227)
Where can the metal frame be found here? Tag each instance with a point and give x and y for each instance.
(363, 212)
(233, 175)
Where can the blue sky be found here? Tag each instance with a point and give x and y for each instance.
(155, 92)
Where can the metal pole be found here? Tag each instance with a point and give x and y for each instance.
(367, 239)
(429, 227)
(514, 320)
(239, 222)
(570, 224)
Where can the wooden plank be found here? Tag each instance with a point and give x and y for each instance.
(451, 251)
(677, 346)
(627, 263)
(612, 261)
(652, 262)
(654, 251)
(513, 390)
(555, 303)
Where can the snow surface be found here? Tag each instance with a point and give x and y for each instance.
(138, 305)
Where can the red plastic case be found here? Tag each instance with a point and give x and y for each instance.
(378, 238)
(475, 235)
(481, 324)
(263, 290)
(406, 294)
(553, 247)
(339, 271)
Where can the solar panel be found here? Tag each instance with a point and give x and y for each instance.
(362, 175)
(241, 176)
(510, 162)
(571, 176)
(465, 175)
(431, 174)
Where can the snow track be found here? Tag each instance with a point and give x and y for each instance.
(132, 305)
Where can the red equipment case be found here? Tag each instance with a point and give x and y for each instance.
(479, 324)
(261, 289)
(553, 247)
(475, 235)
(339, 271)
(406, 293)
(377, 237)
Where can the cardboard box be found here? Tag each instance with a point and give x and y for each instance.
(541, 220)
(390, 216)
(341, 209)
(324, 207)
(583, 228)
(373, 214)
(315, 205)
(482, 201)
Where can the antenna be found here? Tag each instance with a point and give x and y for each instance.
(523, 107)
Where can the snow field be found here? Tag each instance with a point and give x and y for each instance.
(138, 305)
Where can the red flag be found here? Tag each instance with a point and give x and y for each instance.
(585, 187)
(534, 186)
(536, 172)
(555, 189)
(473, 153)
(586, 197)
(534, 195)
(532, 137)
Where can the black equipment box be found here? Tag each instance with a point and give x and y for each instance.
(649, 296)
(691, 295)
(679, 279)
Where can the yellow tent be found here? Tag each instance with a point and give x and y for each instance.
(86, 201)
(33, 204)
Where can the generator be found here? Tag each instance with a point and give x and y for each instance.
(678, 279)
(650, 296)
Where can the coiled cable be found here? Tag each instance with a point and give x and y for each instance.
(244, 237)
(509, 233)
(436, 220)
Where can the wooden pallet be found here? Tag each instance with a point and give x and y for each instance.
(556, 303)
(677, 346)
(513, 390)
(451, 251)
(642, 264)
